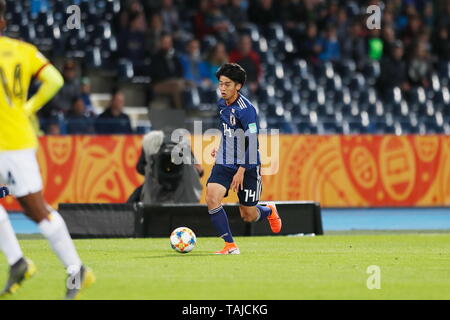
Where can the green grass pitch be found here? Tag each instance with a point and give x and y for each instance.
(413, 266)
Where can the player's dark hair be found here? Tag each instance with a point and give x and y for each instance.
(115, 90)
(233, 71)
(2, 8)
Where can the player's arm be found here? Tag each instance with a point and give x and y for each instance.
(248, 119)
(249, 124)
(51, 81)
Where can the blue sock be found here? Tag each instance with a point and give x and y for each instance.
(220, 221)
(264, 212)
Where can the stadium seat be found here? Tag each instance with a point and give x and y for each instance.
(274, 32)
(323, 71)
(442, 100)
(94, 58)
(346, 70)
(306, 128)
(371, 72)
(112, 8)
(301, 69)
(208, 96)
(251, 30)
(332, 128)
(357, 85)
(444, 72)
(191, 98)
(208, 42)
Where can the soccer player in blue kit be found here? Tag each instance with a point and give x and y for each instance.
(238, 165)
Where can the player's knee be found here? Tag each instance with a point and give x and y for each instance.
(247, 215)
(212, 200)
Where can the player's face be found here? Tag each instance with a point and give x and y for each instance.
(228, 88)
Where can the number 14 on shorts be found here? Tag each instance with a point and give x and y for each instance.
(249, 193)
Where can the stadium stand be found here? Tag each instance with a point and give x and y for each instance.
(301, 89)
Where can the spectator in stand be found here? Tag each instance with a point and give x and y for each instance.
(79, 120)
(132, 40)
(420, 66)
(198, 20)
(388, 37)
(343, 24)
(249, 60)
(167, 73)
(262, 12)
(353, 45)
(217, 56)
(375, 45)
(441, 44)
(329, 46)
(86, 94)
(194, 67)
(170, 16)
(154, 33)
(61, 103)
(411, 32)
(53, 126)
(113, 120)
(428, 15)
(404, 12)
(393, 71)
(236, 13)
(388, 19)
(38, 6)
(331, 14)
(133, 9)
(294, 12)
(444, 14)
(216, 22)
(308, 45)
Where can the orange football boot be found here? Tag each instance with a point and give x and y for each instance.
(230, 248)
(274, 218)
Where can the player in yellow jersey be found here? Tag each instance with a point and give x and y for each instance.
(19, 170)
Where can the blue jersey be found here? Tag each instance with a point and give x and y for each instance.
(239, 125)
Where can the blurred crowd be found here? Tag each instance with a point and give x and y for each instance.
(181, 44)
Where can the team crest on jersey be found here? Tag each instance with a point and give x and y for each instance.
(232, 120)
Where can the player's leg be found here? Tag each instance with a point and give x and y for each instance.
(249, 197)
(53, 227)
(20, 268)
(8, 240)
(216, 190)
(26, 184)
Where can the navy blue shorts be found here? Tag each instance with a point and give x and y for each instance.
(249, 196)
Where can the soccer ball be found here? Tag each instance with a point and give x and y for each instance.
(183, 240)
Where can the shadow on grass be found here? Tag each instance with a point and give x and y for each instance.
(178, 255)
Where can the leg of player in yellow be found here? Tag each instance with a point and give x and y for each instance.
(53, 227)
(55, 230)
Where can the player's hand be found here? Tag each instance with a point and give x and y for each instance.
(238, 180)
(4, 191)
(214, 153)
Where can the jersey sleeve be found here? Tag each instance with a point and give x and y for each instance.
(248, 119)
(249, 122)
(37, 61)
